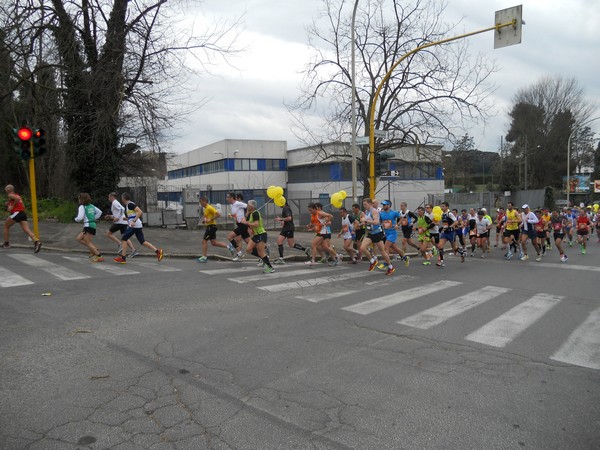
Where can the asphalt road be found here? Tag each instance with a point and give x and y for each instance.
(181, 355)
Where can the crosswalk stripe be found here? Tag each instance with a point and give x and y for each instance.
(276, 274)
(58, 271)
(440, 313)
(504, 329)
(112, 269)
(158, 267)
(566, 266)
(313, 282)
(239, 268)
(582, 348)
(377, 304)
(11, 279)
(320, 297)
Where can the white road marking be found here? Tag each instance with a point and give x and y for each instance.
(240, 268)
(504, 329)
(582, 348)
(565, 266)
(405, 295)
(114, 268)
(313, 282)
(60, 272)
(323, 296)
(11, 279)
(440, 313)
(157, 266)
(276, 274)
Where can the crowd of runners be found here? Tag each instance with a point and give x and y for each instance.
(374, 231)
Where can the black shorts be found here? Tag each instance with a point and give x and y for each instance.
(19, 216)
(262, 237)
(560, 236)
(582, 232)
(325, 236)
(122, 227)
(498, 230)
(407, 232)
(509, 233)
(359, 234)
(541, 234)
(89, 230)
(435, 237)
(531, 233)
(484, 235)
(377, 237)
(288, 234)
(210, 233)
(241, 229)
(139, 234)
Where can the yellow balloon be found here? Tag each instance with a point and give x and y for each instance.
(278, 191)
(279, 201)
(437, 210)
(338, 204)
(335, 198)
(271, 192)
(343, 194)
(437, 217)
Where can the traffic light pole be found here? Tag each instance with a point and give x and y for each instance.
(32, 188)
(496, 27)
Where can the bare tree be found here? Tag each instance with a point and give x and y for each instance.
(432, 95)
(120, 67)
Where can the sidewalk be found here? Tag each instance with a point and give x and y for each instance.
(176, 243)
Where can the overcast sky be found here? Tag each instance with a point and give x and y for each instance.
(560, 38)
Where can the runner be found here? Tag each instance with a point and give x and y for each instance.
(597, 224)
(583, 230)
(511, 230)
(134, 213)
(209, 219)
(119, 223)
(548, 243)
(16, 210)
(287, 232)
(558, 223)
(499, 224)
(88, 214)
(258, 242)
(359, 230)
(434, 232)
(541, 228)
(389, 220)
(407, 219)
(528, 220)
(472, 225)
(346, 234)
(321, 224)
(423, 225)
(570, 216)
(448, 226)
(375, 235)
(483, 225)
(238, 210)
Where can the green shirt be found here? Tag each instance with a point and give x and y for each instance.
(255, 216)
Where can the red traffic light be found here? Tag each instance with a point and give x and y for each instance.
(24, 133)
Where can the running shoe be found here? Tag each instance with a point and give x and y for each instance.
(524, 258)
(483, 256)
(6, 245)
(382, 266)
(335, 262)
(231, 248)
(134, 254)
(406, 260)
(37, 246)
(159, 254)
(307, 252)
(440, 264)
(564, 258)
(279, 261)
(435, 250)
(583, 250)
(538, 258)
(509, 255)
(238, 257)
(520, 255)
(373, 265)
(97, 258)
(120, 260)
(390, 270)
(268, 270)
(202, 259)
(260, 263)
(426, 263)
(462, 256)
(309, 263)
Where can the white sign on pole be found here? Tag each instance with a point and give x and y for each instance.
(380, 133)
(506, 36)
(362, 140)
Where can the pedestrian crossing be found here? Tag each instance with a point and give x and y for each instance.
(358, 293)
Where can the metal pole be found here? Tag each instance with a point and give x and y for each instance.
(387, 76)
(354, 174)
(34, 210)
(568, 184)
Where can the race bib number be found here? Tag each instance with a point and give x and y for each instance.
(404, 222)
(557, 226)
(387, 224)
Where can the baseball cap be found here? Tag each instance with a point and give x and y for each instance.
(386, 202)
(484, 210)
(525, 206)
(481, 212)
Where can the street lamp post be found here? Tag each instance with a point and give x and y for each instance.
(568, 184)
(353, 145)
